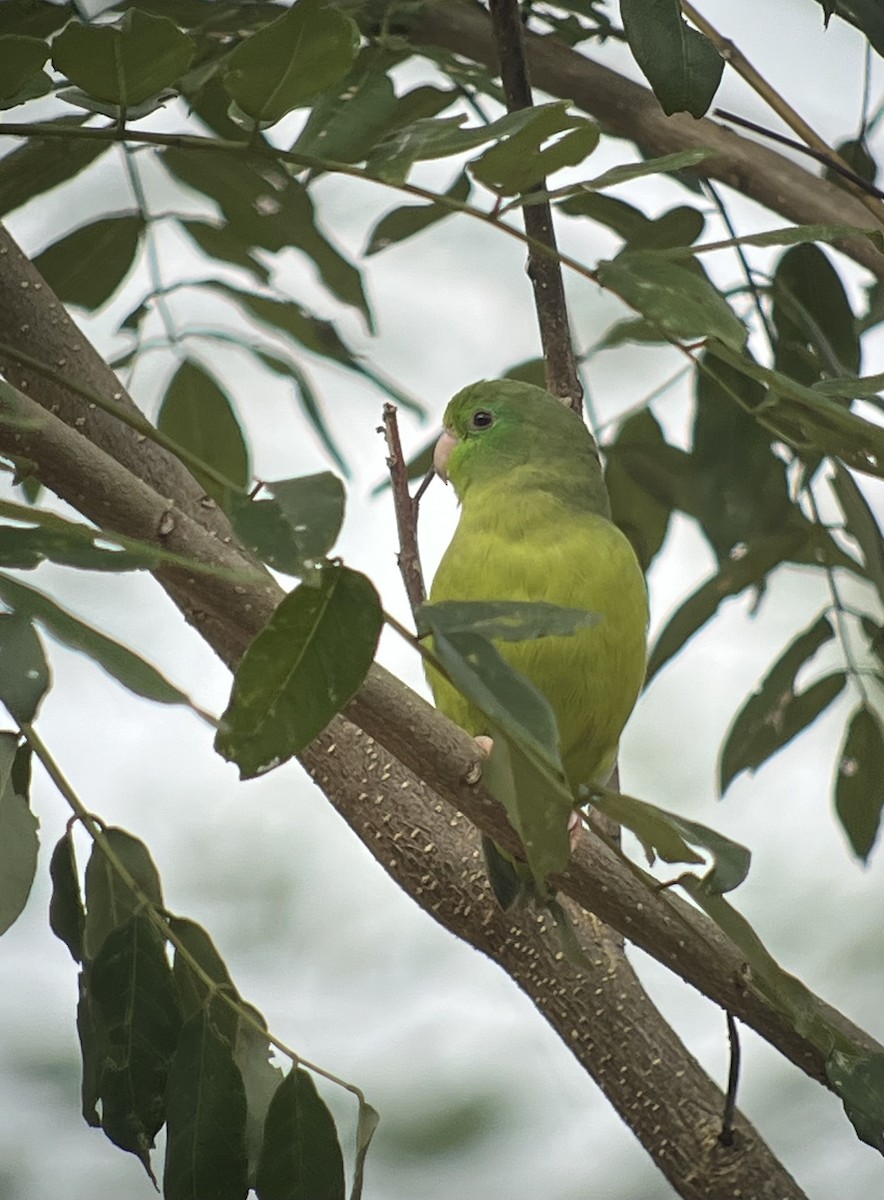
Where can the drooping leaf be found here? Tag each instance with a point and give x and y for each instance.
(860, 523)
(24, 672)
(128, 668)
(301, 1157)
(261, 1078)
(219, 242)
(859, 1078)
(680, 63)
(505, 620)
(21, 57)
(301, 669)
(282, 66)
(859, 781)
(672, 837)
(403, 223)
(815, 324)
(193, 991)
(110, 901)
(67, 917)
(18, 838)
(637, 506)
(205, 1119)
(39, 164)
(197, 414)
(123, 64)
(683, 303)
(87, 266)
(777, 712)
(135, 1004)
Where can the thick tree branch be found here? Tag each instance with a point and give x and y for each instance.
(628, 110)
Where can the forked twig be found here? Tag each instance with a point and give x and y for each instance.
(406, 508)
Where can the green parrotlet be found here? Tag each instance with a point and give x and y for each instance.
(535, 526)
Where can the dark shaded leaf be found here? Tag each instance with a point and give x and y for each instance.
(517, 162)
(346, 121)
(671, 837)
(297, 527)
(681, 302)
(777, 712)
(67, 916)
(403, 223)
(110, 901)
(860, 523)
(39, 164)
(21, 57)
(35, 20)
(24, 672)
(505, 620)
(87, 266)
(301, 1157)
(135, 1005)
(121, 663)
(206, 1118)
(282, 66)
(678, 227)
(859, 1079)
(18, 838)
(316, 335)
(301, 669)
(219, 242)
(816, 327)
(859, 781)
(639, 510)
(60, 541)
(265, 206)
(198, 415)
(623, 219)
(192, 988)
(124, 64)
(308, 402)
(680, 63)
(865, 15)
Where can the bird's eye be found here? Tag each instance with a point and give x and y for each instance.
(482, 419)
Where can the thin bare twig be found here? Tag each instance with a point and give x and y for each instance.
(406, 508)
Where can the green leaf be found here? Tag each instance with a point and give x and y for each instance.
(316, 335)
(265, 206)
(671, 837)
(850, 386)
(859, 781)
(520, 160)
(676, 228)
(87, 266)
(864, 15)
(859, 1079)
(18, 839)
(815, 324)
(637, 509)
(56, 540)
(124, 64)
(286, 63)
(505, 620)
(40, 164)
(301, 1156)
(206, 1118)
(346, 121)
(683, 303)
(681, 65)
(790, 235)
(301, 669)
(193, 991)
(308, 402)
(621, 218)
(297, 527)
(110, 901)
(135, 1007)
(220, 242)
(121, 663)
(403, 223)
(24, 672)
(776, 713)
(667, 164)
(198, 415)
(860, 523)
(67, 915)
(20, 59)
(252, 1054)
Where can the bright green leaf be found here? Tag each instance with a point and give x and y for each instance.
(87, 266)
(859, 781)
(286, 63)
(301, 1156)
(681, 65)
(198, 415)
(123, 64)
(301, 669)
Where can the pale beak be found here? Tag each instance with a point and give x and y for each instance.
(442, 453)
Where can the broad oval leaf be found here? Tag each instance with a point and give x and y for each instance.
(301, 1157)
(295, 529)
(286, 63)
(197, 414)
(301, 669)
(110, 901)
(123, 64)
(87, 266)
(680, 63)
(24, 672)
(205, 1118)
(859, 781)
(18, 838)
(20, 59)
(681, 302)
(67, 916)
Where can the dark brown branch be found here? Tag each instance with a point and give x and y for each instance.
(406, 508)
(544, 271)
